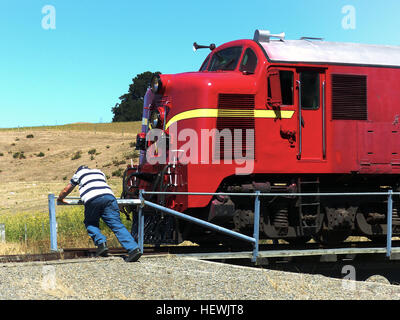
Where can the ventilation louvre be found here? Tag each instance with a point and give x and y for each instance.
(349, 97)
(236, 112)
(234, 101)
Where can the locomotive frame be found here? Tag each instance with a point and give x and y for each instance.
(325, 118)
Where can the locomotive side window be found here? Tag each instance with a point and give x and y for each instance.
(309, 90)
(249, 61)
(286, 81)
(286, 78)
(226, 59)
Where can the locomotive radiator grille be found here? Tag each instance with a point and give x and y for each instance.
(349, 97)
(236, 111)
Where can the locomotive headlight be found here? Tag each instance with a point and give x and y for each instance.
(156, 84)
(155, 120)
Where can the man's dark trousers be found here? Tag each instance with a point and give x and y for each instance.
(106, 207)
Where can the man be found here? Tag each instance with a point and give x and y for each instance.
(100, 202)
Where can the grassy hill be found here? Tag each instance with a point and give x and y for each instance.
(37, 160)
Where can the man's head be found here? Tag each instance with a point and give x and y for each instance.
(82, 167)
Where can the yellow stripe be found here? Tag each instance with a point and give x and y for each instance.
(230, 113)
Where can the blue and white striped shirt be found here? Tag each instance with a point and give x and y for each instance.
(92, 184)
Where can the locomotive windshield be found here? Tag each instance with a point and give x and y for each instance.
(205, 64)
(226, 59)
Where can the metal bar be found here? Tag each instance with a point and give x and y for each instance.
(53, 222)
(323, 121)
(2, 233)
(140, 223)
(200, 222)
(389, 225)
(129, 201)
(72, 201)
(256, 226)
(300, 129)
(77, 201)
(288, 253)
(272, 194)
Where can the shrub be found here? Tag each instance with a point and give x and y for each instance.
(117, 173)
(40, 154)
(92, 151)
(77, 155)
(118, 162)
(19, 155)
(132, 155)
(29, 136)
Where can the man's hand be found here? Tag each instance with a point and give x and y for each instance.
(61, 201)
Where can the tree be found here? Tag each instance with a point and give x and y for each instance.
(130, 107)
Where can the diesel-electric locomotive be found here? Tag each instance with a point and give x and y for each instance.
(279, 116)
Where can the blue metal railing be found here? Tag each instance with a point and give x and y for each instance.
(53, 222)
(254, 240)
(141, 202)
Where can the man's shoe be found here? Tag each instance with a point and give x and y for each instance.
(102, 250)
(133, 255)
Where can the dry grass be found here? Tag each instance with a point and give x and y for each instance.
(27, 181)
(114, 127)
(46, 167)
(12, 248)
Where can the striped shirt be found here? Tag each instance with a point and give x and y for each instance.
(92, 184)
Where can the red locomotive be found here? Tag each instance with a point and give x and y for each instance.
(276, 115)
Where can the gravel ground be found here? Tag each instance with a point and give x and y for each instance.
(172, 277)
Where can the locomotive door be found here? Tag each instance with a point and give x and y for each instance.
(310, 101)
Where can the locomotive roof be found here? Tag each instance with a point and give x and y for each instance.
(331, 52)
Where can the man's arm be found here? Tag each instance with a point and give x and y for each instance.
(66, 191)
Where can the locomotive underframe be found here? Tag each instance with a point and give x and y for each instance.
(326, 219)
(295, 219)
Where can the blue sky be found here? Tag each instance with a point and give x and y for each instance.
(77, 71)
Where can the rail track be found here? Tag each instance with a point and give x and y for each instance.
(220, 252)
(332, 261)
